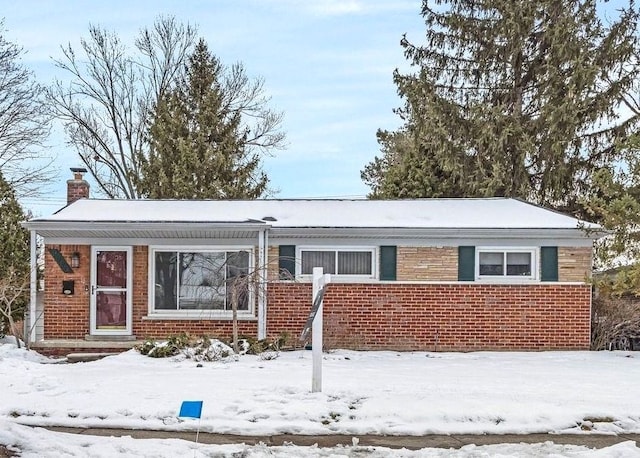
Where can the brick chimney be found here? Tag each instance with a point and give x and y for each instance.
(78, 188)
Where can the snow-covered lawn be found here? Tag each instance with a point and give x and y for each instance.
(363, 393)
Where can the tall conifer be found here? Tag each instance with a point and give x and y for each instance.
(14, 256)
(514, 98)
(197, 146)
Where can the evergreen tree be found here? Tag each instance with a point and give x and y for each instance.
(113, 90)
(198, 149)
(512, 98)
(14, 257)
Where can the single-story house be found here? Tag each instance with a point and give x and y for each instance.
(424, 274)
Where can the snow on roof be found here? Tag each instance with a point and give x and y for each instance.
(298, 213)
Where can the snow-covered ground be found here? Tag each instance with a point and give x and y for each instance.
(363, 393)
(39, 443)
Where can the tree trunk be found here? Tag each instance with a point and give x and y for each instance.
(234, 307)
(12, 328)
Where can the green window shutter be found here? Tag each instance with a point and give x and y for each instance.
(549, 263)
(287, 261)
(388, 262)
(466, 263)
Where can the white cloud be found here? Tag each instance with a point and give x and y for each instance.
(350, 7)
(336, 7)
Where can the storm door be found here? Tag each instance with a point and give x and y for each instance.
(110, 291)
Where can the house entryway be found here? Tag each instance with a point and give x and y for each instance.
(111, 271)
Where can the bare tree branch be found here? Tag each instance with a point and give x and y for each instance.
(106, 106)
(24, 125)
(14, 287)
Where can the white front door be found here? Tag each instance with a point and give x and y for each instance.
(111, 291)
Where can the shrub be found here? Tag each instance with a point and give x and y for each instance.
(196, 348)
(615, 322)
(265, 348)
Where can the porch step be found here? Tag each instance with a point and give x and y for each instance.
(91, 338)
(64, 347)
(86, 357)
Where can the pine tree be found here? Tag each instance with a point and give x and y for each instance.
(512, 98)
(14, 257)
(197, 149)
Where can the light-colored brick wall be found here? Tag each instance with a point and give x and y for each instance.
(272, 263)
(427, 263)
(574, 263)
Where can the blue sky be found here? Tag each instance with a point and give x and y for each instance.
(327, 65)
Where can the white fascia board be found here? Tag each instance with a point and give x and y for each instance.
(111, 241)
(440, 233)
(140, 225)
(429, 241)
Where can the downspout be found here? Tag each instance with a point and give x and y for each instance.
(30, 331)
(262, 284)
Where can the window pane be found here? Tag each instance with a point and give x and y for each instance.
(324, 259)
(202, 283)
(165, 280)
(491, 263)
(354, 263)
(111, 268)
(519, 264)
(237, 279)
(111, 310)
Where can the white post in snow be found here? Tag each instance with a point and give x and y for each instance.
(319, 282)
(30, 331)
(262, 284)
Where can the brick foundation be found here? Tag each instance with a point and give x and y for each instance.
(446, 317)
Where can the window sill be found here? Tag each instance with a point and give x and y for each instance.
(507, 280)
(338, 279)
(198, 316)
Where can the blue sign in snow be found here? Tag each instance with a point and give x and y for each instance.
(191, 409)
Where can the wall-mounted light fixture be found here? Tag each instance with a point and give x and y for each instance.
(75, 260)
(68, 287)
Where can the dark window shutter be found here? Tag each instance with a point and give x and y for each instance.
(388, 262)
(466, 263)
(287, 261)
(549, 263)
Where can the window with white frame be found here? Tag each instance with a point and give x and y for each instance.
(342, 262)
(513, 263)
(200, 280)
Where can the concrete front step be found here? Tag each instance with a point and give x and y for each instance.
(63, 347)
(86, 357)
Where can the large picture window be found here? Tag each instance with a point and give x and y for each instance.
(507, 263)
(345, 262)
(200, 280)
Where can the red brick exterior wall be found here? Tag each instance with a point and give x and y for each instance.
(400, 316)
(66, 317)
(445, 317)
